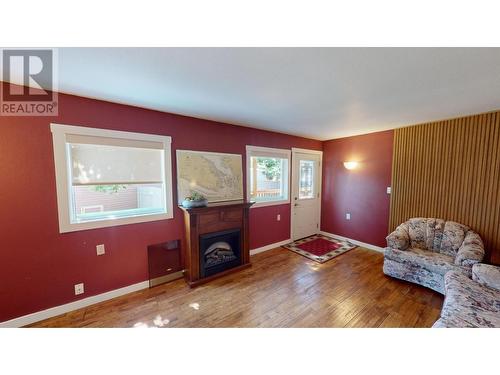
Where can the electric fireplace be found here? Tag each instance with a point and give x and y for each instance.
(216, 240)
(219, 251)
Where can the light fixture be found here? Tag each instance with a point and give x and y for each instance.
(350, 164)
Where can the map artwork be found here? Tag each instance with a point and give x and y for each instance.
(217, 176)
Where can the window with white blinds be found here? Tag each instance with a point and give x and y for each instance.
(107, 178)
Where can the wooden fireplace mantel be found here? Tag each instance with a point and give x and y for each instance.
(213, 218)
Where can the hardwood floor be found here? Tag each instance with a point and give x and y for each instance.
(281, 289)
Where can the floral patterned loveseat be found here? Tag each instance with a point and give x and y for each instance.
(423, 250)
(471, 303)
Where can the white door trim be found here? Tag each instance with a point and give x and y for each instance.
(296, 150)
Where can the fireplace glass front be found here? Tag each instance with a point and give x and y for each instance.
(219, 251)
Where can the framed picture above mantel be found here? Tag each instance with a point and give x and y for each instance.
(216, 176)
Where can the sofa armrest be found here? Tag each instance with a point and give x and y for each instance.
(399, 239)
(471, 251)
(486, 274)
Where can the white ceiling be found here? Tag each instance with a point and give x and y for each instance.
(320, 93)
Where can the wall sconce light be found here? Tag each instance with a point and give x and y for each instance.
(350, 165)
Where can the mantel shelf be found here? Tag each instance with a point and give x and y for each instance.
(218, 205)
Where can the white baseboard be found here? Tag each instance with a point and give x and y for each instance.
(355, 242)
(62, 309)
(269, 247)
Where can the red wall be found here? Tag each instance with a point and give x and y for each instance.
(361, 191)
(39, 266)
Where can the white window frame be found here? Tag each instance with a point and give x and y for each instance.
(280, 153)
(63, 176)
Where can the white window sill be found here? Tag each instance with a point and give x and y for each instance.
(270, 203)
(74, 227)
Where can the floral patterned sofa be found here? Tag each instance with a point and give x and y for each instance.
(423, 250)
(471, 303)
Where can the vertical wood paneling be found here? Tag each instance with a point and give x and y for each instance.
(450, 169)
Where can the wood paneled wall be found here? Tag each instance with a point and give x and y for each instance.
(451, 170)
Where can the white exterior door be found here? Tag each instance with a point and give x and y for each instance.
(306, 192)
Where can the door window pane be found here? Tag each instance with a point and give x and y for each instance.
(306, 183)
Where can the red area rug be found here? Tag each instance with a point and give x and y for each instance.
(320, 248)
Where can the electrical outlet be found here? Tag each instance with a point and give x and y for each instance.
(79, 289)
(388, 190)
(100, 250)
(348, 216)
(278, 217)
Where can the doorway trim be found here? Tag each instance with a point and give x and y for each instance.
(296, 150)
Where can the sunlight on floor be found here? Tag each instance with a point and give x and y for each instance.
(195, 305)
(313, 266)
(160, 322)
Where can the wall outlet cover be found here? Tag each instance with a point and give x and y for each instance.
(79, 289)
(348, 216)
(278, 217)
(100, 249)
(389, 190)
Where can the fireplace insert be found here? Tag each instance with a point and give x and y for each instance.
(219, 251)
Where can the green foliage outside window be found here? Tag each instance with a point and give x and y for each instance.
(110, 189)
(271, 166)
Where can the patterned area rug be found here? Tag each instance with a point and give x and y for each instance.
(320, 248)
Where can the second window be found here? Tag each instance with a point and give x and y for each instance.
(268, 175)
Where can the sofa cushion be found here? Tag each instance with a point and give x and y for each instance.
(434, 234)
(399, 239)
(414, 273)
(431, 261)
(426, 233)
(453, 236)
(470, 302)
(454, 322)
(487, 275)
(471, 251)
(417, 229)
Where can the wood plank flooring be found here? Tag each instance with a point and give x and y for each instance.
(281, 289)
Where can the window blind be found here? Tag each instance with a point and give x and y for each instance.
(108, 161)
